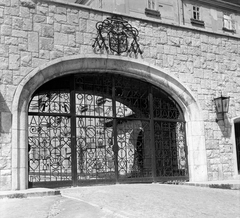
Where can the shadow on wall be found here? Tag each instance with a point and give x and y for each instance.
(5, 116)
(225, 127)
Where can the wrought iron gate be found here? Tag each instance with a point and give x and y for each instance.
(93, 128)
(237, 136)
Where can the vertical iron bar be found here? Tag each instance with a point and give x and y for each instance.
(115, 142)
(170, 147)
(73, 132)
(96, 146)
(185, 148)
(39, 138)
(152, 142)
(237, 141)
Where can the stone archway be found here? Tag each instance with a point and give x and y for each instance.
(116, 65)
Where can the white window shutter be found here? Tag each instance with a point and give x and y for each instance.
(234, 25)
(225, 23)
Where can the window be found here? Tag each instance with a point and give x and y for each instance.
(228, 23)
(196, 13)
(151, 4)
(196, 16)
(152, 9)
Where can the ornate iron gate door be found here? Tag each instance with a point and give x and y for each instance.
(237, 135)
(102, 128)
(50, 138)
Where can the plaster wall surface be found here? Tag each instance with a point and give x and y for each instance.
(178, 12)
(36, 33)
(212, 15)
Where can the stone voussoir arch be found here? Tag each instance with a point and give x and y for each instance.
(112, 64)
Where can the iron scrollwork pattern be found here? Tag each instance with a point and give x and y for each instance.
(170, 149)
(49, 138)
(51, 102)
(94, 140)
(134, 156)
(116, 35)
(101, 128)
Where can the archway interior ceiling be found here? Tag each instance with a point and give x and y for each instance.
(92, 127)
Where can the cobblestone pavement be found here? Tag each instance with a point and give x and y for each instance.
(128, 201)
(155, 200)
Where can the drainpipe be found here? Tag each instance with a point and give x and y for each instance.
(183, 19)
(178, 11)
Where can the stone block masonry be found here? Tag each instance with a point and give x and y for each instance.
(33, 33)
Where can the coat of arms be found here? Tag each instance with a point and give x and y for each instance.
(116, 35)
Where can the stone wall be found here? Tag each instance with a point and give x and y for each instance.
(34, 32)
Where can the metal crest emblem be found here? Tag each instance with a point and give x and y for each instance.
(115, 35)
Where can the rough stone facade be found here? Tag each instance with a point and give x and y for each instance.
(36, 32)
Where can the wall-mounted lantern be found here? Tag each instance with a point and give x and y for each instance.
(222, 105)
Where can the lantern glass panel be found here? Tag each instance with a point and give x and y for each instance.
(225, 103)
(218, 103)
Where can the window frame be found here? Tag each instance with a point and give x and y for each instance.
(151, 4)
(229, 24)
(196, 16)
(152, 9)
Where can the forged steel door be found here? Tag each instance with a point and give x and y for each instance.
(103, 128)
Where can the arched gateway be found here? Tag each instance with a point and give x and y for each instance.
(99, 127)
(93, 120)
